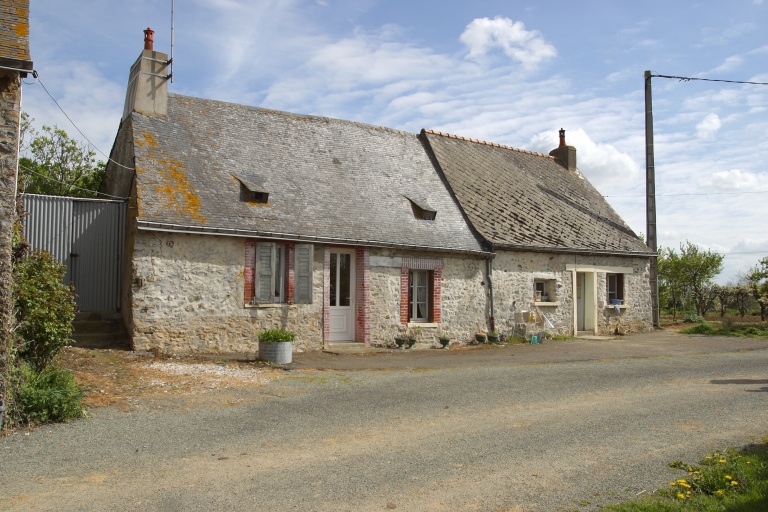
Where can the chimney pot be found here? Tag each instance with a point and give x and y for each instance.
(149, 39)
(562, 138)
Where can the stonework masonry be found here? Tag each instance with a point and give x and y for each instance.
(187, 296)
(10, 112)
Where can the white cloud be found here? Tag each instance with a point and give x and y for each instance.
(525, 46)
(708, 127)
(736, 179)
(729, 64)
(603, 164)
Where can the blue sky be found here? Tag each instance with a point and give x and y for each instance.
(511, 72)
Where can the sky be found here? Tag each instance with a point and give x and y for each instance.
(507, 71)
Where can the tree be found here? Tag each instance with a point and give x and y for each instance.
(758, 282)
(57, 165)
(691, 271)
(671, 287)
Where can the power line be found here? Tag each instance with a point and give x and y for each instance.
(688, 79)
(696, 194)
(37, 77)
(27, 169)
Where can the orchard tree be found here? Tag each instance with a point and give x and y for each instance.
(758, 282)
(671, 287)
(54, 164)
(691, 271)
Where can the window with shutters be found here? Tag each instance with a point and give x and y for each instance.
(278, 273)
(615, 283)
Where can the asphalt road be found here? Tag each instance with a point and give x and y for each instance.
(502, 429)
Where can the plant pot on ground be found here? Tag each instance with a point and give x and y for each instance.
(493, 337)
(276, 346)
(400, 341)
(480, 337)
(444, 341)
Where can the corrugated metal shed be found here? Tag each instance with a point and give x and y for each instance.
(87, 236)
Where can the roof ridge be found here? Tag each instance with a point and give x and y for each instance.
(493, 144)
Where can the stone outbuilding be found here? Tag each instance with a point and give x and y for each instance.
(243, 219)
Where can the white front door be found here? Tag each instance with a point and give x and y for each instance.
(342, 296)
(585, 302)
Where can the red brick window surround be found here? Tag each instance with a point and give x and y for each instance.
(414, 275)
(271, 274)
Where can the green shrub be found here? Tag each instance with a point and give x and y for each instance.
(276, 335)
(50, 395)
(45, 309)
(693, 318)
(700, 328)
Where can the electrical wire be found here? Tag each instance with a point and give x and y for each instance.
(695, 194)
(37, 78)
(27, 169)
(688, 79)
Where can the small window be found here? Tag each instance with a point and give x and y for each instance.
(252, 190)
(250, 196)
(615, 284)
(421, 209)
(544, 290)
(419, 295)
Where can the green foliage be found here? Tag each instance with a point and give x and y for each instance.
(57, 165)
(758, 283)
(45, 309)
(687, 277)
(276, 335)
(734, 480)
(692, 318)
(48, 395)
(729, 329)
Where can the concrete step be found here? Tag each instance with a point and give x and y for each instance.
(100, 333)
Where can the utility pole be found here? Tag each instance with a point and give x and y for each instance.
(650, 200)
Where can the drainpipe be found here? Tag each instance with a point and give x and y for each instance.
(489, 271)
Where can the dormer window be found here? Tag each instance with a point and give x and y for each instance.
(421, 209)
(252, 190)
(252, 196)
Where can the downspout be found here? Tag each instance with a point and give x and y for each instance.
(489, 271)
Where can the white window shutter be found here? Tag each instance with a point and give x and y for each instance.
(303, 273)
(264, 272)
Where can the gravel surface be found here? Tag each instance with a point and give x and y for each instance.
(508, 429)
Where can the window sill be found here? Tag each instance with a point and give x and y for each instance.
(621, 306)
(551, 304)
(424, 325)
(267, 305)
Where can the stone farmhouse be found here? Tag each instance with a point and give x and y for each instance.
(242, 219)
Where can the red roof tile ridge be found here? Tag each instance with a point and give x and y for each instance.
(478, 141)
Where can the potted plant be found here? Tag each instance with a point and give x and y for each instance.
(493, 337)
(480, 337)
(400, 341)
(276, 346)
(444, 339)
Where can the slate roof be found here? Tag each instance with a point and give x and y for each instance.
(328, 180)
(14, 34)
(518, 199)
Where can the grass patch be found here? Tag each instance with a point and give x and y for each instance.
(728, 329)
(728, 481)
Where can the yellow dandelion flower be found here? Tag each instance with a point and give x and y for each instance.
(681, 496)
(673, 484)
(719, 492)
(707, 457)
(681, 480)
(728, 477)
(734, 483)
(721, 461)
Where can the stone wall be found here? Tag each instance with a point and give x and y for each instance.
(10, 112)
(514, 275)
(463, 297)
(187, 293)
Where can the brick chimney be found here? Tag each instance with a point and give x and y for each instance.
(564, 154)
(148, 81)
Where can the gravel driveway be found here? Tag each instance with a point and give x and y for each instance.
(561, 426)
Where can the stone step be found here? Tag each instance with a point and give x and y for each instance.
(100, 334)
